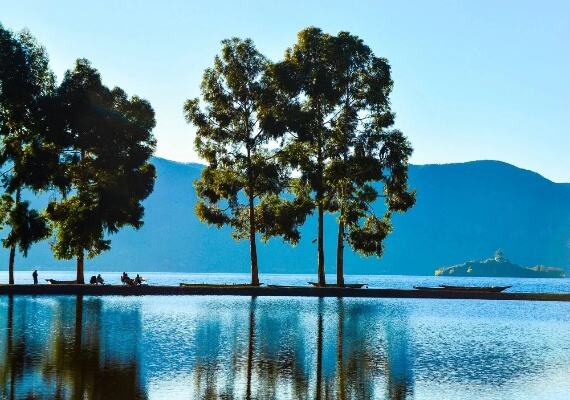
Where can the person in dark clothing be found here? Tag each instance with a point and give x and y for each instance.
(35, 276)
(93, 280)
(100, 280)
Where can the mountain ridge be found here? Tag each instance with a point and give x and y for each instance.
(463, 211)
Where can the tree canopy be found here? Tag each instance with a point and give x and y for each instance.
(243, 180)
(105, 147)
(338, 117)
(26, 84)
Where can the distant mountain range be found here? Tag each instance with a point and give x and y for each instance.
(464, 211)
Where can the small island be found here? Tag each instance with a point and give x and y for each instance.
(500, 266)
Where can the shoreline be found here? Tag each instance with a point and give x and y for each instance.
(301, 291)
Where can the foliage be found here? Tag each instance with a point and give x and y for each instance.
(105, 146)
(26, 84)
(242, 183)
(28, 226)
(338, 116)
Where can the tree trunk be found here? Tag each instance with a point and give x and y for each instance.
(321, 250)
(340, 254)
(319, 198)
(13, 248)
(11, 265)
(80, 278)
(252, 244)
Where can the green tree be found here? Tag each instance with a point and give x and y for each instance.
(364, 150)
(243, 179)
(338, 115)
(105, 146)
(26, 84)
(27, 226)
(307, 77)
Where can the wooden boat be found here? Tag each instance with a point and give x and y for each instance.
(216, 285)
(283, 286)
(493, 289)
(478, 289)
(346, 285)
(56, 282)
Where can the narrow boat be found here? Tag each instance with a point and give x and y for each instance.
(346, 285)
(494, 289)
(283, 286)
(484, 289)
(56, 282)
(218, 285)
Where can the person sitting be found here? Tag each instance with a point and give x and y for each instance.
(138, 280)
(100, 280)
(93, 280)
(126, 280)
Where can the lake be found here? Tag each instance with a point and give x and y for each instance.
(283, 348)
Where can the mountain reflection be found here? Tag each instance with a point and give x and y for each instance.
(69, 348)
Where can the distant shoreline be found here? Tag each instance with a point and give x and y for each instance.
(118, 290)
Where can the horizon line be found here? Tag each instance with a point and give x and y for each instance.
(411, 164)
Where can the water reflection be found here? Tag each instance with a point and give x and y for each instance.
(332, 351)
(67, 349)
(288, 348)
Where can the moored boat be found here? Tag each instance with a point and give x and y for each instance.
(476, 288)
(218, 285)
(346, 285)
(56, 282)
(485, 289)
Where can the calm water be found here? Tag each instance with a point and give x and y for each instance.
(282, 348)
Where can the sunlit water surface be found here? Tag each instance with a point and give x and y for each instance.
(282, 348)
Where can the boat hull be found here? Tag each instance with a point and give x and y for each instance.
(56, 282)
(478, 289)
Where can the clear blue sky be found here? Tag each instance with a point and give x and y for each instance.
(481, 79)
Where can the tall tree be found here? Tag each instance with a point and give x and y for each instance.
(365, 150)
(243, 179)
(105, 146)
(338, 115)
(26, 84)
(307, 77)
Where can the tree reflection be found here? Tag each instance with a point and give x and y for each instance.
(77, 358)
(239, 348)
(398, 358)
(251, 343)
(330, 351)
(319, 362)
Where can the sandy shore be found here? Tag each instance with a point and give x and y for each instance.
(116, 290)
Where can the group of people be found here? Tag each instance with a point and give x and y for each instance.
(126, 280)
(97, 280)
